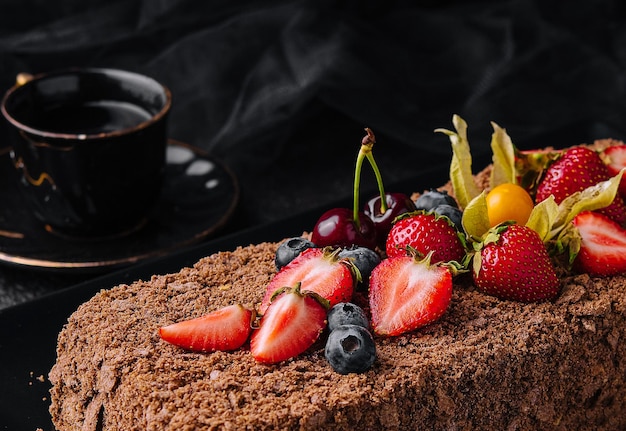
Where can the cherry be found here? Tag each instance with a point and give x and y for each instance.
(344, 227)
(337, 227)
(384, 208)
(397, 204)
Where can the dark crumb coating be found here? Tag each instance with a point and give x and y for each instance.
(487, 364)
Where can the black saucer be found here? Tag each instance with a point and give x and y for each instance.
(199, 196)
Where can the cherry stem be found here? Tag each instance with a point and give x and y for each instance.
(357, 181)
(366, 147)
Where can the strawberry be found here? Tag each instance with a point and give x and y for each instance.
(425, 232)
(577, 169)
(513, 263)
(293, 321)
(225, 329)
(317, 270)
(407, 293)
(530, 166)
(603, 245)
(615, 159)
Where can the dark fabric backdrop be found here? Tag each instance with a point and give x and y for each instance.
(281, 90)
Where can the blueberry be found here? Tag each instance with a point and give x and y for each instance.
(350, 349)
(433, 198)
(453, 213)
(364, 259)
(290, 249)
(346, 313)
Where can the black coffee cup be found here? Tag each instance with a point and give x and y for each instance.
(89, 145)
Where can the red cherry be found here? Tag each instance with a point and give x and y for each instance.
(337, 227)
(397, 204)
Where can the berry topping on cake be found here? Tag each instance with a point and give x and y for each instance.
(384, 208)
(225, 329)
(407, 293)
(318, 270)
(350, 349)
(289, 249)
(368, 228)
(576, 169)
(615, 159)
(431, 199)
(347, 313)
(397, 204)
(425, 232)
(513, 263)
(454, 213)
(364, 259)
(602, 247)
(291, 324)
(341, 227)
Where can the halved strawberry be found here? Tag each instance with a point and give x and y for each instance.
(425, 232)
(513, 263)
(615, 159)
(317, 270)
(291, 324)
(225, 329)
(407, 293)
(603, 245)
(577, 169)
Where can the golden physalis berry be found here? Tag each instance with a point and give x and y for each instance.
(508, 202)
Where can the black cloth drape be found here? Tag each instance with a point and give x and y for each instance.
(280, 90)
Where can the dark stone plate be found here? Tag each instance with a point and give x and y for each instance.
(199, 196)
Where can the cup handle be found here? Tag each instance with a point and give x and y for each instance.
(22, 78)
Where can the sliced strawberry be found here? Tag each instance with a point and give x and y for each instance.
(317, 270)
(406, 294)
(291, 324)
(513, 263)
(603, 245)
(615, 159)
(225, 329)
(577, 169)
(425, 232)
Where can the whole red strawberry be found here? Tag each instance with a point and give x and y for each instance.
(513, 263)
(577, 169)
(318, 270)
(407, 293)
(425, 232)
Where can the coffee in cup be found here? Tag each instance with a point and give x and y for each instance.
(89, 147)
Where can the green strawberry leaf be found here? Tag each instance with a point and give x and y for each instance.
(465, 188)
(503, 157)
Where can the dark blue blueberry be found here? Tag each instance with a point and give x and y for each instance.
(364, 259)
(453, 213)
(290, 249)
(432, 198)
(347, 313)
(350, 349)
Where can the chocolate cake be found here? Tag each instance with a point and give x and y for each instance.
(487, 364)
